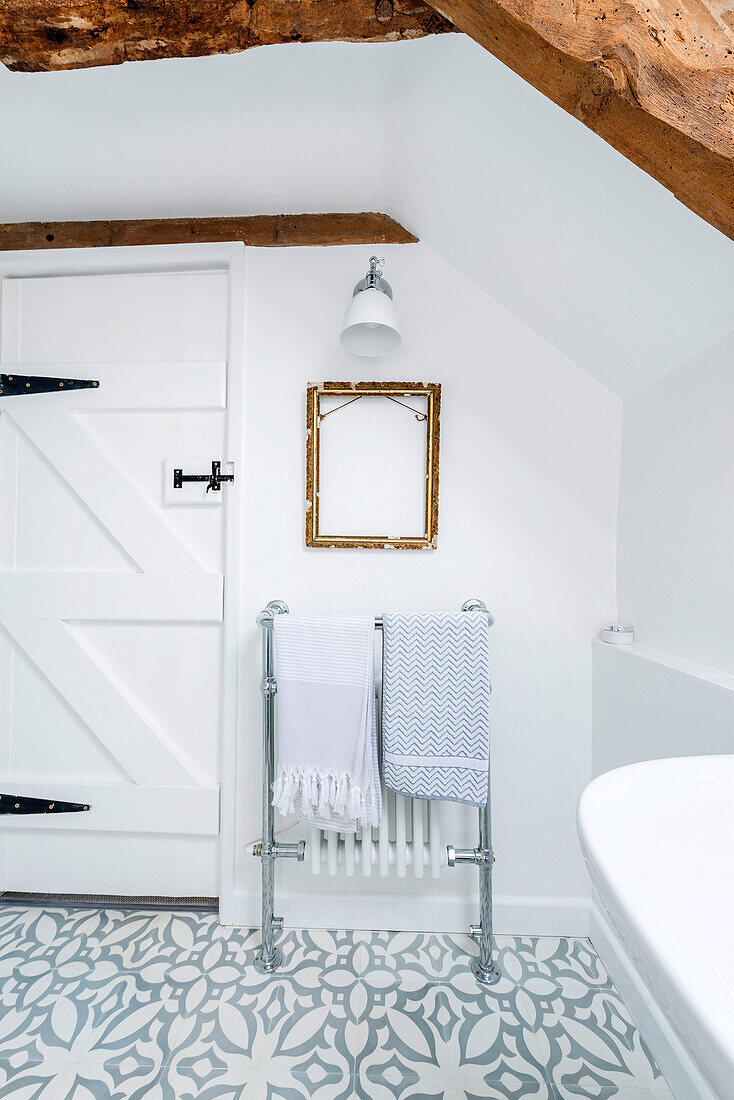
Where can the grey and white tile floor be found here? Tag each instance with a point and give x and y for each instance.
(123, 1005)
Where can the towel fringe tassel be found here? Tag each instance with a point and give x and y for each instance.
(321, 793)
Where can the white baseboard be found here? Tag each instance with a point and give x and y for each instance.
(679, 1070)
(408, 913)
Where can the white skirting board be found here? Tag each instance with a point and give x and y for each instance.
(678, 1068)
(408, 913)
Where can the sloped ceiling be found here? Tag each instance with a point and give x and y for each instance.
(540, 213)
(589, 251)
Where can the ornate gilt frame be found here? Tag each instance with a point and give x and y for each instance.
(397, 390)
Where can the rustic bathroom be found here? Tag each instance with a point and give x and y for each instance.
(366, 528)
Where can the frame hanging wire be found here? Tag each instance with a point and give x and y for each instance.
(418, 415)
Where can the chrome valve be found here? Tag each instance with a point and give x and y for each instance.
(477, 856)
(290, 851)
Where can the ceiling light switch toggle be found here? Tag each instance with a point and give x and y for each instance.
(214, 479)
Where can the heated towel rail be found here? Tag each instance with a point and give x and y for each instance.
(384, 852)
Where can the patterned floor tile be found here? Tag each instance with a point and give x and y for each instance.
(519, 958)
(486, 1039)
(625, 1093)
(622, 1094)
(593, 1049)
(264, 1083)
(154, 942)
(510, 1088)
(126, 1005)
(428, 1034)
(275, 1024)
(35, 1081)
(151, 941)
(395, 1085)
(315, 1043)
(441, 1088)
(196, 1081)
(47, 1020)
(332, 958)
(395, 958)
(598, 1070)
(399, 1033)
(526, 997)
(19, 924)
(126, 1081)
(447, 953)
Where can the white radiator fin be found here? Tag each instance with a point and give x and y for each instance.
(408, 838)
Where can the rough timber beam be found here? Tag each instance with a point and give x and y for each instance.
(654, 78)
(40, 35)
(264, 230)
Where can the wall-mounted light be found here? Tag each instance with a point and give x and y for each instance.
(371, 323)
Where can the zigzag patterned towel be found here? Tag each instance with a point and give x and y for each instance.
(327, 760)
(435, 706)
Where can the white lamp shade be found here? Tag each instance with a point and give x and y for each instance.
(370, 324)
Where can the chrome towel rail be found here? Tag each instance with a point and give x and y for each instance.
(268, 850)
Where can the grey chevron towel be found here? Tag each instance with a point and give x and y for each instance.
(435, 706)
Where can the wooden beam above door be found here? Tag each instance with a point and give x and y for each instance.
(262, 230)
(42, 35)
(655, 80)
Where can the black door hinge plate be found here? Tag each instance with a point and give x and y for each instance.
(19, 385)
(23, 804)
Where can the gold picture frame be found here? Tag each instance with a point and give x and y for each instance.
(353, 391)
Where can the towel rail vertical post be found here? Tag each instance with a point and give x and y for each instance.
(269, 958)
(485, 971)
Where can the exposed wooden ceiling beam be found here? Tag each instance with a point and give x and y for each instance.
(39, 35)
(264, 230)
(654, 78)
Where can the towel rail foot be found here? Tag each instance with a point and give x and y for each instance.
(487, 975)
(267, 965)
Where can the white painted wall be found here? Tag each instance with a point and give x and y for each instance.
(649, 707)
(676, 521)
(529, 467)
(673, 695)
(278, 129)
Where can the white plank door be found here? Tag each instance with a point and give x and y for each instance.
(112, 666)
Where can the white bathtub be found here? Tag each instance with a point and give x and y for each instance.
(658, 839)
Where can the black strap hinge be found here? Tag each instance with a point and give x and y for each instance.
(20, 385)
(24, 804)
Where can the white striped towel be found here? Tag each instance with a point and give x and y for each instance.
(435, 706)
(327, 760)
